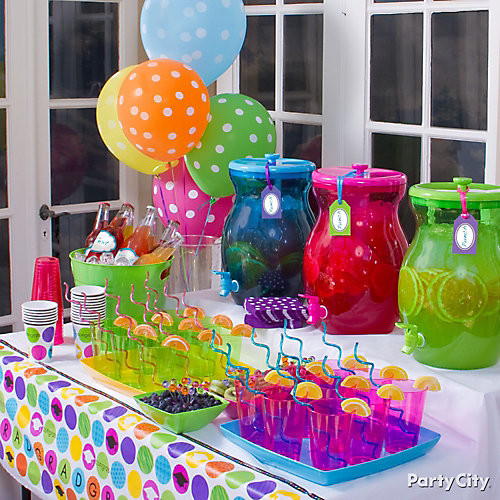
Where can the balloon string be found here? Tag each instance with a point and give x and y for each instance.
(162, 199)
(212, 201)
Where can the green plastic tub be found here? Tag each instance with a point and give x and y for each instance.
(120, 279)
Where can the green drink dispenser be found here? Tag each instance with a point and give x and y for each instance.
(449, 284)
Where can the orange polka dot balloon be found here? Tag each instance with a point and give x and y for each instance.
(163, 108)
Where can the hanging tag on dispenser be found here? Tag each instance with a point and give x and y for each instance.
(340, 219)
(271, 203)
(465, 235)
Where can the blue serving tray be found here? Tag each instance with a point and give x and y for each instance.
(304, 469)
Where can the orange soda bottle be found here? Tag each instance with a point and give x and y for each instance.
(110, 239)
(169, 241)
(140, 242)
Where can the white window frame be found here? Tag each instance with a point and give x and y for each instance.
(347, 129)
(28, 136)
(426, 131)
(230, 82)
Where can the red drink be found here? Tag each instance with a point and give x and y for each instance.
(356, 276)
(101, 221)
(110, 240)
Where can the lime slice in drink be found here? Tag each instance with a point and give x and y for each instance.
(461, 297)
(410, 292)
(493, 303)
(427, 276)
(432, 293)
(252, 270)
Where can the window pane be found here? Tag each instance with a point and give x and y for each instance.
(303, 63)
(401, 153)
(396, 68)
(4, 268)
(6, 329)
(303, 1)
(460, 69)
(259, 2)
(82, 168)
(388, 1)
(2, 48)
(3, 159)
(83, 47)
(68, 234)
(457, 159)
(302, 141)
(258, 60)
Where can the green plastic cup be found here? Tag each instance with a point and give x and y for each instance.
(120, 279)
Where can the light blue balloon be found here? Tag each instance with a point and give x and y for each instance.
(206, 34)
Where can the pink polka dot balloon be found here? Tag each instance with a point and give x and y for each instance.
(177, 197)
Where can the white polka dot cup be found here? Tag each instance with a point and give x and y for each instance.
(41, 340)
(83, 340)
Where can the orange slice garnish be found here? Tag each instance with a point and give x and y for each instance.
(206, 336)
(162, 318)
(176, 342)
(356, 406)
(356, 382)
(274, 378)
(242, 330)
(190, 324)
(391, 391)
(393, 372)
(316, 368)
(222, 320)
(351, 363)
(309, 390)
(193, 312)
(427, 382)
(125, 322)
(147, 331)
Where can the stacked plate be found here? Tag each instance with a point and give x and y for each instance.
(39, 313)
(95, 304)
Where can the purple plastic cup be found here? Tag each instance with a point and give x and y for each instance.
(284, 423)
(329, 434)
(367, 434)
(405, 418)
(250, 414)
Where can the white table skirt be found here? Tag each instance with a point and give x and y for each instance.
(466, 412)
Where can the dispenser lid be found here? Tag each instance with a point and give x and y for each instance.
(277, 165)
(365, 177)
(445, 194)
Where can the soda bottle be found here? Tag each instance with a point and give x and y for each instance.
(169, 241)
(110, 239)
(101, 221)
(140, 242)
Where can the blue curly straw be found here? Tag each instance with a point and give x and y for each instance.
(235, 367)
(339, 350)
(367, 363)
(290, 356)
(301, 343)
(264, 346)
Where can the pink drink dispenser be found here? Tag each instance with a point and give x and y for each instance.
(355, 250)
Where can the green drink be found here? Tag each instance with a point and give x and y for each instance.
(452, 299)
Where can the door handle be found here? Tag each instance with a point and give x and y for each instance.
(45, 212)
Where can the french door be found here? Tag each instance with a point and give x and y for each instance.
(58, 55)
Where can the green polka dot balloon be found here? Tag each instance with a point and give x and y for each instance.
(239, 127)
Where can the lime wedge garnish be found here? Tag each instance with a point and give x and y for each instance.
(461, 296)
(410, 292)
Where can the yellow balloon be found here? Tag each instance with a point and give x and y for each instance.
(112, 133)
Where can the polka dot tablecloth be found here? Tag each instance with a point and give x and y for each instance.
(65, 441)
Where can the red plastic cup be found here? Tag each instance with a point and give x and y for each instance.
(284, 423)
(329, 434)
(47, 286)
(405, 418)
